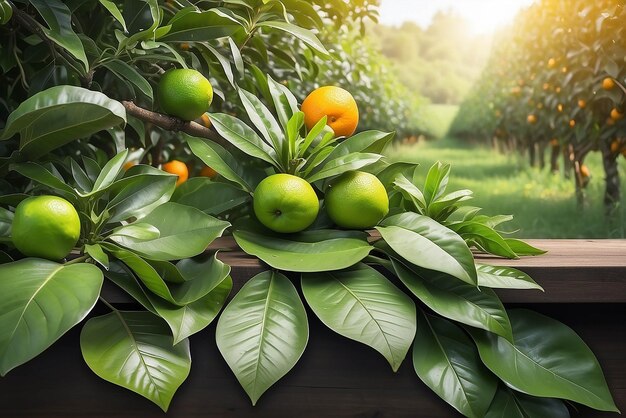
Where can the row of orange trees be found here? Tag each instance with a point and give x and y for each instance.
(555, 80)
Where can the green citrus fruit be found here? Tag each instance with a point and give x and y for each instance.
(46, 227)
(285, 203)
(184, 93)
(356, 200)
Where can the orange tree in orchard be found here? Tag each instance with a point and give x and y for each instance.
(296, 187)
(556, 81)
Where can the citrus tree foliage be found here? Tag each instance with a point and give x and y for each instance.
(556, 79)
(79, 104)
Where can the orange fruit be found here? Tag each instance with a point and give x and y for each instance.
(546, 86)
(572, 123)
(285, 203)
(205, 120)
(208, 172)
(582, 104)
(551, 63)
(128, 164)
(616, 114)
(356, 200)
(564, 70)
(608, 83)
(584, 171)
(610, 121)
(615, 146)
(46, 227)
(559, 107)
(179, 168)
(532, 119)
(554, 142)
(336, 104)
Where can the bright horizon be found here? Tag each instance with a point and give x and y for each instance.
(483, 16)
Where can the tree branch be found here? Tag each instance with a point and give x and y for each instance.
(171, 123)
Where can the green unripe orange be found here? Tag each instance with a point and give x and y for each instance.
(184, 93)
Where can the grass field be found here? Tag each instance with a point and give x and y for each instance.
(437, 119)
(543, 204)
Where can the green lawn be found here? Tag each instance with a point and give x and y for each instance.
(543, 204)
(437, 119)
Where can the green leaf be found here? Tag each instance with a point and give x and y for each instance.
(40, 301)
(522, 248)
(135, 350)
(311, 251)
(6, 220)
(510, 404)
(368, 142)
(95, 251)
(304, 35)
(342, 164)
(411, 193)
(444, 206)
(243, 137)
(487, 238)
(284, 101)
(6, 12)
(547, 359)
(220, 160)
(263, 120)
(211, 197)
(41, 175)
(361, 304)
(59, 115)
(137, 13)
(504, 278)
(138, 230)
(125, 72)
(269, 310)
(428, 244)
(59, 19)
(184, 232)
(436, 182)
(115, 12)
(193, 25)
(456, 300)
(446, 360)
(110, 172)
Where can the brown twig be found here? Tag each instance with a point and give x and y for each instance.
(171, 123)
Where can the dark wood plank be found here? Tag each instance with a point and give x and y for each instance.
(336, 377)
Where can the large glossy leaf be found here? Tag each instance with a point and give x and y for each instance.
(59, 19)
(456, 300)
(304, 35)
(342, 164)
(42, 175)
(486, 238)
(522, 248)
(59, 115)
(194, 25)
(243, 137)
(184, 232)
(361, 304)
(115, 12)
(510, 404)
(211, 197)
(135, 350)
(447, 361)
(436, 182)
(365, 142)
(263, 332)
(220, 160)
(547, 359)
(263, 120)
(307, 251)
(128, 73)
(504, 278)
(284, 101)
(39, 302)
(428, 244)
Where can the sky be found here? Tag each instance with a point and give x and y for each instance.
(483, 16)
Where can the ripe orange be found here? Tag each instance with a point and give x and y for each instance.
(615, 146)
(564, 70)
(532, 119)
(559, 107)
(356, 200)
(184, 93)
(336, 104)
(46, 227)
(616, 114)
(608, 83)
(582, 104)
(179, 168)
(572, 123)
(208, 172)
(584, 171)
(551, 63)
(205, 120)
(285, 203)
(128, 164)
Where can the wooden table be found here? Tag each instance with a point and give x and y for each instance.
(585, 283)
